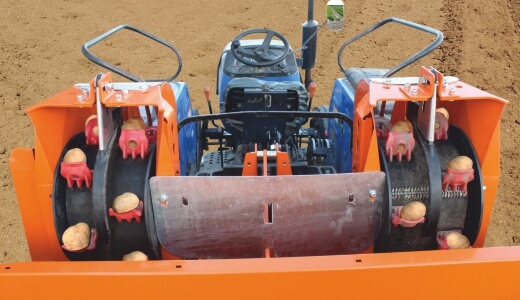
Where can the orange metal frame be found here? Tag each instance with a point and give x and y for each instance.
(482, 272)
(283, 163)
(60, 117)
(468, 106)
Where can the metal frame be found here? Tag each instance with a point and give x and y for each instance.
(438, 40)
(95, 59)
(430, 274)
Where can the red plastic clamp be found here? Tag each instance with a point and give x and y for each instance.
(76, 172)
(442, 243)
(454, 179)
(396, 218)
(135, 213)
(383, 126)
(400, 143)
(91, 243)
(151, 133)
(91, 134)
(134, 142)
(441, 127)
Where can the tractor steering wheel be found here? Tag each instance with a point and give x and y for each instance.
(262, 55)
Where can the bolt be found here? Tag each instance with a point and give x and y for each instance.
(414, 91)
(407, 86)
(125, 92)
(163, 198)
(372, 193)
(424, 81)
(119, 98)
(452, 91)
(80, 98)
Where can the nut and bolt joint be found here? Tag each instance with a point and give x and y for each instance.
(452, 91)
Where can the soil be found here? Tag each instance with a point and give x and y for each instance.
(40, 56)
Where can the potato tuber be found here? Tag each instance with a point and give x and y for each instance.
(457, 240)
(413, 211)
(460, 163)
(125, 203)
(135, 256)
(75, 155)
(76, 237)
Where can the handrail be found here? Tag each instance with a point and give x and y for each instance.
(95, 59)
(266, 114)
(408, 61)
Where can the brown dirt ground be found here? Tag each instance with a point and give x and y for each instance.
(40, 55)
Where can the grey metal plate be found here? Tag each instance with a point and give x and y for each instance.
(426, 116)
(228, 217)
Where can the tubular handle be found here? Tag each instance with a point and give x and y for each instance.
(95, 59)
(408, 61)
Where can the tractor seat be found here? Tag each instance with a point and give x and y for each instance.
(250, 94)
(354, 75)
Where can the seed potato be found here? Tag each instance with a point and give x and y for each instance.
(460, 163)
(457, 240)
(125, 203)
(76, 237)
(135, 256)
(135, 123)
(403, 125)
(75, 155)
(413, 211)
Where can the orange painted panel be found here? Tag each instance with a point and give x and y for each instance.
(451, 274)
